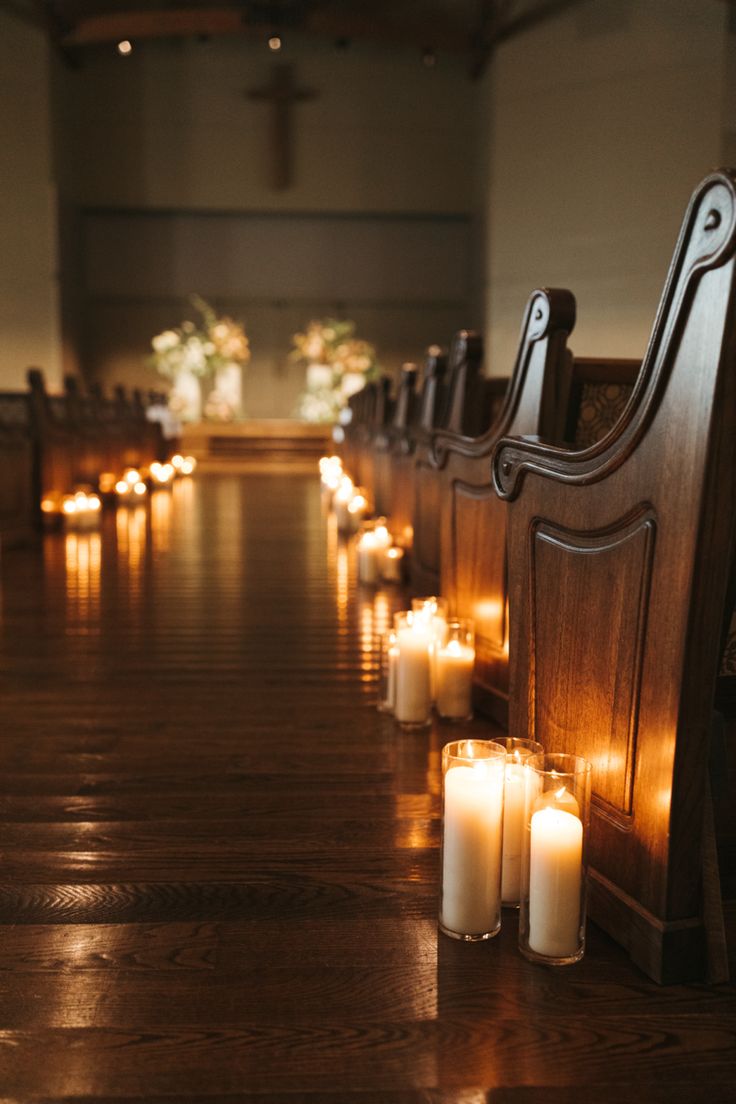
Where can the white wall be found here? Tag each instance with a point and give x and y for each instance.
(29, 326)
(604, 120)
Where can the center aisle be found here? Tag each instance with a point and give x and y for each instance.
(219, 861)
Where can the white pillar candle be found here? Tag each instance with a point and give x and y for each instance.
(357, 508)
(367, 558)
(454, 674)
(393, 663)
(392, 561)
(341, 500)
(471, 848)
(515, 787)
(555, 882)
(413, 700)
(384, 540)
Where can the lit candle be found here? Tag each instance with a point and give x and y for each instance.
(513, 831)
(341, 500)
(389, 661)
(433, 611)
(521, 786)
(392, 562)
(471, 847)
(555, 881)
(80, 510)
(413, 688)
(130, 492)
(357, 508)
(454, 673)
(367, 558)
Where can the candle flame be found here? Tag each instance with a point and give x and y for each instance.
(559, 794)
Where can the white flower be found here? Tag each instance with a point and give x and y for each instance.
(352, 382)
(164, 341)
(314, 347)
(319, 375)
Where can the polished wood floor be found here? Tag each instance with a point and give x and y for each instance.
(219, 862)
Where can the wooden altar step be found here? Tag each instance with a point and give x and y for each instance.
(273, 444)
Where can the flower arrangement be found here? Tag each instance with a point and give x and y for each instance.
(337, 365)
(213, 351)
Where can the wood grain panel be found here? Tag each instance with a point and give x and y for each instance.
(601, 600)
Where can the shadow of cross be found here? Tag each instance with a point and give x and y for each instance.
(282, 93)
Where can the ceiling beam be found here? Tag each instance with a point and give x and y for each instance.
(333, 21)
(500, 25)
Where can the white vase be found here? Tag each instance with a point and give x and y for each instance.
(185, 397)
(229, 386)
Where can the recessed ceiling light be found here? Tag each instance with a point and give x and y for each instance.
(275, 42)
(125, 47)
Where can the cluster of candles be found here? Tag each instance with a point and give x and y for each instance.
(514, 830)
(427, 660)
(135, 483)
(379, 558)
(514, 820)
(81, 508)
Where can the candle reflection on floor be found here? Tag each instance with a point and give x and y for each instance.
(82, 562)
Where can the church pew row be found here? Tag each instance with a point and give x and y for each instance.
(620, 562)
(455, 395)
(435, 485)
(550, 391)
(53, 443)
(619, 570)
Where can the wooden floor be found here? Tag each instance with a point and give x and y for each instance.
(219, 862)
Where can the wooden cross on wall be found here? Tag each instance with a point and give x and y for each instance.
(282, 93)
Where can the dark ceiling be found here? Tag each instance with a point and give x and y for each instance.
(462, 27)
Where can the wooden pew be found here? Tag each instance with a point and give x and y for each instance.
(548, 319)
(395, 439)
(620, 557)
(79, 434)
(554, 396)
(372, 409)
(467, 403)
(459, 517)
(431, 404)
(55, 444)
(18, 499)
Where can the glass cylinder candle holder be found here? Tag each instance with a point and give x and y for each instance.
(433, 611)
(472, 826)
(413, 700)
(454, 661)
(341, 499)
(554, 863)
(368, 558)
(393, 561)
(357, 509)
(514, 804)
(387, 672)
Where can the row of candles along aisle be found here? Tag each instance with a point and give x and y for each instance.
(81, 508)
(426, 659)
(380, 559)
(514, 819)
